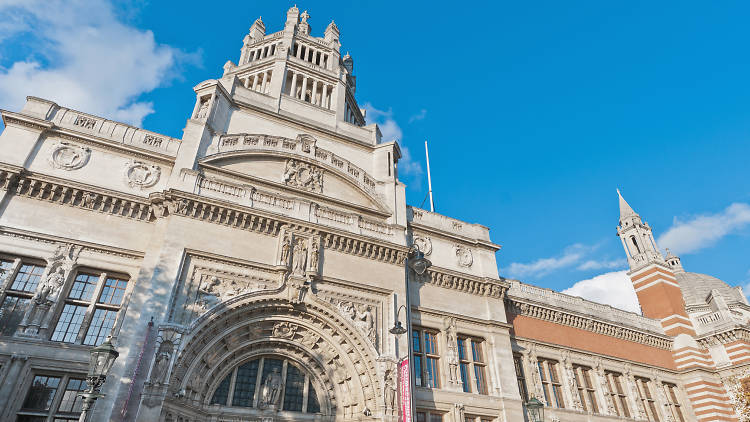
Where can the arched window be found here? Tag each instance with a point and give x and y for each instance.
(632, 239)
(243, 387)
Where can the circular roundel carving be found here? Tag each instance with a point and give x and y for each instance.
(141, 175)
(424, 244)
(68, 156)
(464, 256)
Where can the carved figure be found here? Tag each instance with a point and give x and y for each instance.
(209, 295)
(284, 330)
(452, 340)
(161, 364)
(271, 390)
(300, 257)
(365, 322)
(286, 248)
(203, 110)
(389, 391)
(314, 256)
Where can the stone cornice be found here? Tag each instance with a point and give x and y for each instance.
(109, 145)
(11, 118)
(459, 317)
(21, 182)
(480, 286)
(88, 246)
(528, 308)
(723, 337)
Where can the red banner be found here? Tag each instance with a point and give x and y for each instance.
(405, 389)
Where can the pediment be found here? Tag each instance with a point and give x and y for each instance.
(294, 164)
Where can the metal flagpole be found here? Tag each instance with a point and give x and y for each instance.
(429, 179)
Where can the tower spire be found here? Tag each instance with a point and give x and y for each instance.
(625, 209)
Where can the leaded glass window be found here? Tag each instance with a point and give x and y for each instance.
(53, 396)
(19, 278)
(243, 386)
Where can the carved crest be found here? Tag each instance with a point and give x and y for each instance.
(424, 244)
(141, 175)
(303, 175)
(464, 256)
(68, 156)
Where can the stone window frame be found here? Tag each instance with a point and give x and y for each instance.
(523, 389)
(586, 387)
(672, 404)
(468, 361)
(552, 386)
(92, 304)
(426, 357)
(53, 413)
(428, 416)
(474, 418)
(647, 398)
(616, 390)
(13, 264)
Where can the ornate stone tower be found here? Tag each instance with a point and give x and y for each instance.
(653, 279)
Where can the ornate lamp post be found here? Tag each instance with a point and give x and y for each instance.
(102, 359)
(535, 408)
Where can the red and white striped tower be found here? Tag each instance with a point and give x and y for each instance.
(660, 298)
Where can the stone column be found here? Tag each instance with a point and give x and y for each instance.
(293, 91)
(265, 82)
(256, 82)
(314, 92)
(304, 88)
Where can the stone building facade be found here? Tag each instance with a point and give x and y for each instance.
(252, 270)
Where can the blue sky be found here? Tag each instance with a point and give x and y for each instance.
(535, 111)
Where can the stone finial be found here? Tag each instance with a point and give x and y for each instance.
(292, 17)
(332, 33)
(258, 29)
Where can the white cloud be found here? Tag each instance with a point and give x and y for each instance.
(705, 230)
(419, 116)
(84, 57)
(391, 131)
(570, 256)
(613, 288)
(603, 265)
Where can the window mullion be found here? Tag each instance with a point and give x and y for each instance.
(232, 381)
(256, 394)
(283, 383)
(61, 388)
(91, 308)
(305, 392)
(9, 277)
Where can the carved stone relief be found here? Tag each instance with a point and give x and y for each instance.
(463, 256)
(452, 341)
(424, 244)
(68, 156)
(214, 289)
(303, 175)
(141, 175)
(361, 315)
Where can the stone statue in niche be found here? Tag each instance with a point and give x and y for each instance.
(365, 321)
(271, 390)
(300, 257)
(286, 249)
(389, 391)
(161, 364)
(203, 108)
(451, 339)
(314, 255)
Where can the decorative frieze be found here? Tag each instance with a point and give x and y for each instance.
(586, 322)
(465, 283)
(303, 175)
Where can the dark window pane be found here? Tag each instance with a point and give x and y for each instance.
(41, 393)
(295, 389)
(71, 402)
(432, 372)
(83, 287)
(313, 405)
(418, 371)
(479, 379)
(476, 351)
(421, 417)
(430, 343)
(462, 348)
(222, 391)
(11, 314)
(27, 418)
(101, 326)
(415, 341)
(244, 386)
(436, 418)
(465, 377)
(27, 278)
(69, 323)
(113, 291)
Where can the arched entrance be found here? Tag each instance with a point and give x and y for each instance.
(264, 358)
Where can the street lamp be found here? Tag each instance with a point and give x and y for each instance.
(397, 328)
(535, 409)
(101, 361)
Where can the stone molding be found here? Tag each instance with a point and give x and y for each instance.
(585, 322)
(452, 280)
(728, 336)
(51, 189)
(87, 246)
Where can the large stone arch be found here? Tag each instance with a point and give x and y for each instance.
(313, 334)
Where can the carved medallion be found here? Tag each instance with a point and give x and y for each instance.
(424, 244)
(303, 175)
(141, 175)
(68, 156)
(464, 256)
